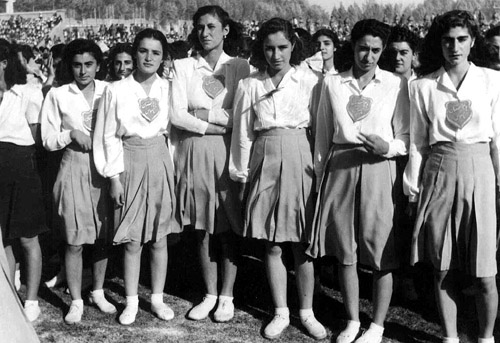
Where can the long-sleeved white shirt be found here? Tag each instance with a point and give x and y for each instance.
(19, 108)
(345, 111)
(65, 109)
(259, 105)
(431, 97)
(196, 86)
(127, 111)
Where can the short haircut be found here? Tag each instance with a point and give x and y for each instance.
(370, 27)
(79, 47)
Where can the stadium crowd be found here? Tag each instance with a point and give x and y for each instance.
(330, 140)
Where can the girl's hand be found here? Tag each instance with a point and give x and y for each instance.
(374, 144)
(83, 141)
(213, 129)
(116, 192)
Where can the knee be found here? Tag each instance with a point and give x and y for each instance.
(132, 248)
(159, 245)
(486, 285)
(29, 243)
(274, 250)
(74, 249)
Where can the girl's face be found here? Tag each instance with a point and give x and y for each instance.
(84, 67)
(401, 57)
(123, 65)
(325, 45)
(149, 56)
(210, 32)
(456, 45)
(367, 51)
(278, 51)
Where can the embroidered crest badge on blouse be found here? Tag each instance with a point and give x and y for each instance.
(213, 85)
(359, 107)
(150, 107)
(458, 114)
(89, 118)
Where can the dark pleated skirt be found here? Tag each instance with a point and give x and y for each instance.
(456, 221)
(21, 201)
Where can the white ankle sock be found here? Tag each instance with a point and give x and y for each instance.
(486, 340)
(377, 328)
(157, 298)
(132, 300)
(283, 311)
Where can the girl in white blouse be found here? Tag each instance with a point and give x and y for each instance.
(203, 91)
(21, 202)
(453, 169)
(271, 156)
(130, 149)
(362, 124)
(80, 193)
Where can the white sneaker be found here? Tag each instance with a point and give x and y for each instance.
(202, 310)
(348, 335)
(57, 280)
(128, 315)
(225, 311)
(274, 329)
(162, 311)
(32, 310)
(102, 304)
(315, 329)
(17, 279)
(370, 336)
(74, 314)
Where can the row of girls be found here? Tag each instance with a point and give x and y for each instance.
(263, 145)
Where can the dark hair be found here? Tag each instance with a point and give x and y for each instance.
(307, 42)
(178, 49)
(26, 51)
(58, 50)
(153, 34)
(431, 55)
(117, 49)
(14, 73)
(235, 29)
(403, 34)
(327, 33)
(79, 47)
(494, 31)
(370, 27)
(274, 25)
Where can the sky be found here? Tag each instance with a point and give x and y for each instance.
(329, 4)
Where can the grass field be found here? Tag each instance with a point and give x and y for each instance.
(406, 322)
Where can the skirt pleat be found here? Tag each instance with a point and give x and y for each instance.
(148, 213)
(280, 204)
(456, 220)
(21, 201)
(81, 199)
(207, 197)
(354, 218)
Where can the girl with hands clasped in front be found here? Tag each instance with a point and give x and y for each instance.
(362, 123)
(453, 169)
(130, 149)
(80, 193)
(271, 156)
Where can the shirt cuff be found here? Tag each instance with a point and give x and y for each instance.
(66, 138)
(396, 148)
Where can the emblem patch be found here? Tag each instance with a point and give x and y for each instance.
(150, 108)
(89, 118)
(358, 107)
(213, 85)
(458, 114)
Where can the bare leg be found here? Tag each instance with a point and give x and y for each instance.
(132, 267)
(487, 305)
(9, 251)
(447, 298)
(382, 292)
(74, 266)
(208, 262)
(100, 262)
(229, 266)
(276, 274)
(349, 286)
(159, 263)
(304, 271)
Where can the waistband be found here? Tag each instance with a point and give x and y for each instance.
(282, 132)
(462, 149)
(138, 142)
(7, 146)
